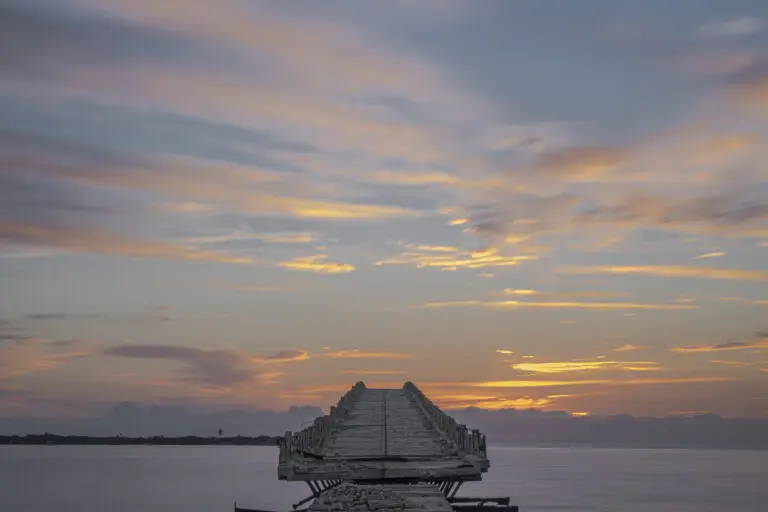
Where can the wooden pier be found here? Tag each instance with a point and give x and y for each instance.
(386, 449)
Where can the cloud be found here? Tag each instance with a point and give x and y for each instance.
(208, 367)
(760, 342)
(301, 47)
(408, 179)
(245, 235)
(580, 163)
(493, 403)
(674, 182)
(51, 316)
(504, 351)
(696, 298)
(263, 289)
(246, 188)
(513, 304)
(187, 207)
(373, 372)
(35, 355)
(628, 348)
(716, 214)
(84, 240)
(672, 271)
(717, 254)
(250, 62)
(717, 63)
(425, 257)
(362, 354)
(211, 368)
(318, 265)
(586, 294)
(156, 315)
(285, 356)
(533, 383)
(743, 26)
(590, 382)
(431, 248)
(749, 87)
(737, 364)
(585, 365)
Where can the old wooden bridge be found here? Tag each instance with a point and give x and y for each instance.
(386, 449)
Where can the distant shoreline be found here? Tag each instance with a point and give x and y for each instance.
(53, 439)
(264, 440)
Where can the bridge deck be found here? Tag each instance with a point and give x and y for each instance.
(377, 434)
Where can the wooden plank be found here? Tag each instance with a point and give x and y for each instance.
(409, 498)
(385, 433)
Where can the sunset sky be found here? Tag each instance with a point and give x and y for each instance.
(548, 204)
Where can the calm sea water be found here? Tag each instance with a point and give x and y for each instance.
(211, 478)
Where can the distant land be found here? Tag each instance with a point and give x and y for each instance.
(534, 427)
(178, 425)
(53, 439)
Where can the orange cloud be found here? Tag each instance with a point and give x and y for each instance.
(580, 366)
(431, 248)
(334, 210)
(695, 298)
(760, 342)
(35, 355)
(361, 354)
(673, 271)
(513, 304)
(373, 372)
(244, 235)
(590, 382)
(283, 356)
(738, 364)
(449, 402)
(466, 259)
(717, 254)
(628, 348)
(532, 383)
(94, 241)
(587, 294)
(316, 264)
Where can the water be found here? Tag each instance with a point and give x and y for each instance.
(211, 478)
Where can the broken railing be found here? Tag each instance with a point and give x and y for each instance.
(309, 441)
(468, 442)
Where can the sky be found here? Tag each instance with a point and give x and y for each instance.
(255, 204)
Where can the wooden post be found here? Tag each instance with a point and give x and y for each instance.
(286, 446)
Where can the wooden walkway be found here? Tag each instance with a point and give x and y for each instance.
(379, 435)
(404, 497)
